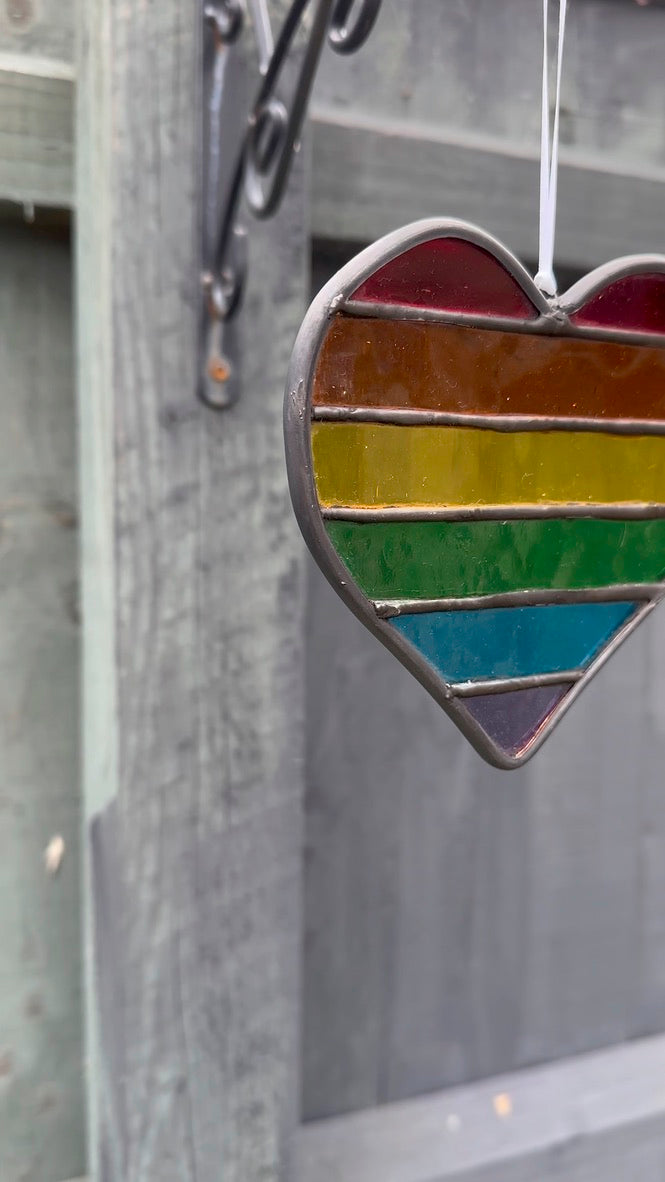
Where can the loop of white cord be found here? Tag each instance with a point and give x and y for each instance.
(549, 157)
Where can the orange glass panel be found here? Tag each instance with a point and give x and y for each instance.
(446, 367)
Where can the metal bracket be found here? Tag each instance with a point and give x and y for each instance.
(251, 155)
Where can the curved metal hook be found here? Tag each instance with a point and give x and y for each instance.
(345, 37)
(226, 17)
(264, 156)
(274, 129)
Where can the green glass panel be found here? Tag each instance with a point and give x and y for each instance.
(440, 559)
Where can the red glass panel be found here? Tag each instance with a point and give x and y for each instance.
(636, 302)
(448, 274)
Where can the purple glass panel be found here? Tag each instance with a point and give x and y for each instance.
(450, 274)
(636, 302)
(513, 719)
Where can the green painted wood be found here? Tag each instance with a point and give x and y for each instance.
(37, 101)
(438, 559)
(41, 1067)
(36, 131)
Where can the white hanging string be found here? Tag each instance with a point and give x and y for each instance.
(549, 156)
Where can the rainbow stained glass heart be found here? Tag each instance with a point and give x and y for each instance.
(480, 471)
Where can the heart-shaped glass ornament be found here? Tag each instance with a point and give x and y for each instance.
(479, 470)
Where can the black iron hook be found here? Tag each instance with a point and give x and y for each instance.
(345, 37)
(226, 17)
(274, 130)
(274, 127)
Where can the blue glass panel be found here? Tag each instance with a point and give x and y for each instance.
(512, 642)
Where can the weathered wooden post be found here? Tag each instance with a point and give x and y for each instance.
(193, 622)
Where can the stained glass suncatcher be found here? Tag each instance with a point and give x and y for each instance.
(480, 471)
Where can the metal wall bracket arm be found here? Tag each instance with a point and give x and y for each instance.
(260, 147)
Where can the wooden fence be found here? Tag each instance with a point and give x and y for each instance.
(322, 941)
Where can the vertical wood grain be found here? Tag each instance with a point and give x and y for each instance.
(193, 600)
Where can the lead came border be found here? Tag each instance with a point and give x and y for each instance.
(297, 426)
(398, 416)
(561, 509)
(616, 593)
(550, 323)
(505, 685)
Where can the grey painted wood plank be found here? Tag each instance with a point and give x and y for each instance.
(41, 1067)
(37, 101)
(427, 128)
(428, 131)
(36, 130)
(38, 29)
(371, 176)
(462, 921)
(583, 1119)
(193, 601)
(440, 113)
(477, 67)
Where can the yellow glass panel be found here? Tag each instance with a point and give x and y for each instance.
(374, 465)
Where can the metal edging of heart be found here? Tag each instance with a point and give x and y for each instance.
(466, 476)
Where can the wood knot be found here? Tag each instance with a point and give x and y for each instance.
(20, 13)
